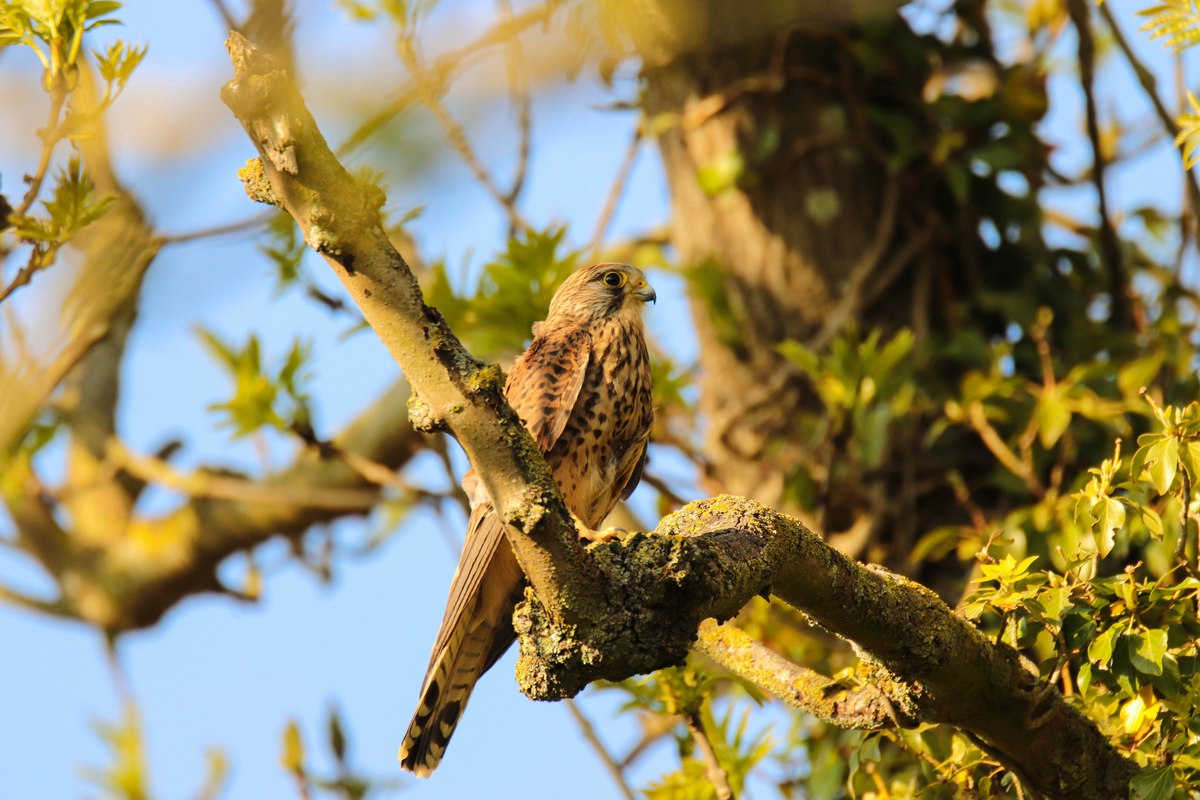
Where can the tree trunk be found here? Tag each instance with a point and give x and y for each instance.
(796, 215)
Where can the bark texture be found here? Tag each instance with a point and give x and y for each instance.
(794, 220)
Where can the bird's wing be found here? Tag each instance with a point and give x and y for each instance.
(629, 481)
(476, 630)
(544, 384)
(543, 387)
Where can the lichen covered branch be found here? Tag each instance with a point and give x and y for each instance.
(927, 663)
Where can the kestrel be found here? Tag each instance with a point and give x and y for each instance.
(582, 388)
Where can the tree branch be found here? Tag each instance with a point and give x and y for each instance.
(620, 608)
(865, 708)
(1123, 310)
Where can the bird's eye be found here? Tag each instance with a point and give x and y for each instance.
(614, 279)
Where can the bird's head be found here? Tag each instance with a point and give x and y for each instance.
(599, 292)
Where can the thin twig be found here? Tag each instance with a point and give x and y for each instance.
(662, 487)
(430, 94)
(248, 224)
(716, 773)
(206, 484)
(862, 269)
(50, 136)
(1110, 245)
(589, 734)
(40, 259)
(1003, 453)
(443, 68)
(226, 17)
(54, 608)
(518, 87)
(616, 192)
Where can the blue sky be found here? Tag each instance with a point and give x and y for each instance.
(215, 673)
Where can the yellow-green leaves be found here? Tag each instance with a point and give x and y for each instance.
(124, 777)
(53, 29)
(72, 206)
(262, 398)
(1161, 453)
(116, 65)
(291, 756)
(1177, 22)
(865, 385)
(1189, 133)
(514, 292)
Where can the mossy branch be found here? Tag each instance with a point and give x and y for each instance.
(621, 608)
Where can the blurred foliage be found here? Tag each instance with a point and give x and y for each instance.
(1078, 548)
(344, 782)
(1177, 23)
(1189, 133)
(126, 776)
(53, 29)
(262, 398)
(494, 317)
(73, 206)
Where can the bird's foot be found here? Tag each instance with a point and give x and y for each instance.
(606, 535)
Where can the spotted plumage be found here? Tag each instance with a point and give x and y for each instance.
(583, 390)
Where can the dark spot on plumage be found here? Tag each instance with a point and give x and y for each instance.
(449, 716)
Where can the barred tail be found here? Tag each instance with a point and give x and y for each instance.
(476, 630)
(444, 696)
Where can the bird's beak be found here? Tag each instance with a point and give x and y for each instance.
(644, 292)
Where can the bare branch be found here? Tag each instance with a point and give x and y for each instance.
(615, 192)
(208, 484)
(1150, 86)
(241, 226)
(431, 95)
(712, 767)
(1123, 303)
(443, 68)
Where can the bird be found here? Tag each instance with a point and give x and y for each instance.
(583, 390)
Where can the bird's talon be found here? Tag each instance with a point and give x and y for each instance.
(606, 535)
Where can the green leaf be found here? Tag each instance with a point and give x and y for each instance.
(1153, 783)
(1152, 521)
(337, 736)
(1084, 677)
(1139, 373)
(1110, 517)
(1053, 418)
(1161, 460)
(1100, 650)
(1147, 650)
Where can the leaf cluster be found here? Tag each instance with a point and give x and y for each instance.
(262, 397)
